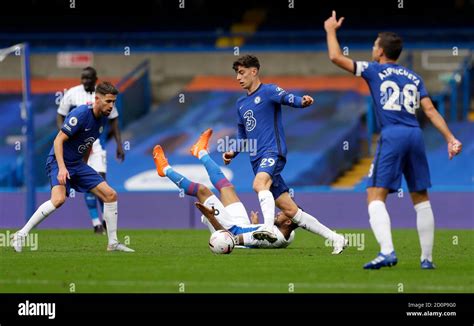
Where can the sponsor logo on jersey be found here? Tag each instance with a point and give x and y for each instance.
(87, 144)
(250, 121)
(257, 100)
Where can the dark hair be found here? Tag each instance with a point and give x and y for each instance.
(246, 61)
(391, 44)
(90, 69)
(105, 88)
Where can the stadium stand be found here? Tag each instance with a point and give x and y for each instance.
(133, 102)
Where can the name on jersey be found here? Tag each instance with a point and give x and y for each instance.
(400, 72)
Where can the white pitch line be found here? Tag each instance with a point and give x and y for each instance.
(119, 283)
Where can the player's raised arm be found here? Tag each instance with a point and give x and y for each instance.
(454, 145)
(334, 50)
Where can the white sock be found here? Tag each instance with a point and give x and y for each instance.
(110, 217)
(41, 213)
(96, 222)
(201, 153)
(425, 225)
(312, 224)
(380, 223)
(267, 204)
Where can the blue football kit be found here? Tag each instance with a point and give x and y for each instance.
(396, 92)
(259, 120)
(83, 128)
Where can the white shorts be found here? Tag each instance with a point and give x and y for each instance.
(233, 214)
(238, 213)
(98, 158)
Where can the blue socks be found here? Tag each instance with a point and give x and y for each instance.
(216, 175)
(91, 202)
(189, 187)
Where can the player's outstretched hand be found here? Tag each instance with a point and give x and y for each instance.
(332, 24)
(227, 157)
(206, 211)
(120, 154)
(62, 175)
(307, 101)
(454, 148)
(254, 217)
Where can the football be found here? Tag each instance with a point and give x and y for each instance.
(221, 242)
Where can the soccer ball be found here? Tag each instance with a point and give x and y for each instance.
(221, 242)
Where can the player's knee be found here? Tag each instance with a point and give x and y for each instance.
(258, 186)
(58, 200)
(419, 196)
(110, 196)
(229, 188)
(290, 211)
(375, 194)
(204, 191)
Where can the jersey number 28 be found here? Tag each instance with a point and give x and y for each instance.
(409, 97)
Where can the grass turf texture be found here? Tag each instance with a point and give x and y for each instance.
(174, 261)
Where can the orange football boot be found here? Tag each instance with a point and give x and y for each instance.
(202, 143)
(160, 160)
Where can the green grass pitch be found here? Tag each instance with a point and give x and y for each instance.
(174, 261)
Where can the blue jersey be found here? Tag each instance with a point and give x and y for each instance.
(396, 92)
(259, 119)
(83, 129)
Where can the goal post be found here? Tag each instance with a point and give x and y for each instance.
(27, 116)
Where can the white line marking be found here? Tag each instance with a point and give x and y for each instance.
(119, 283)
